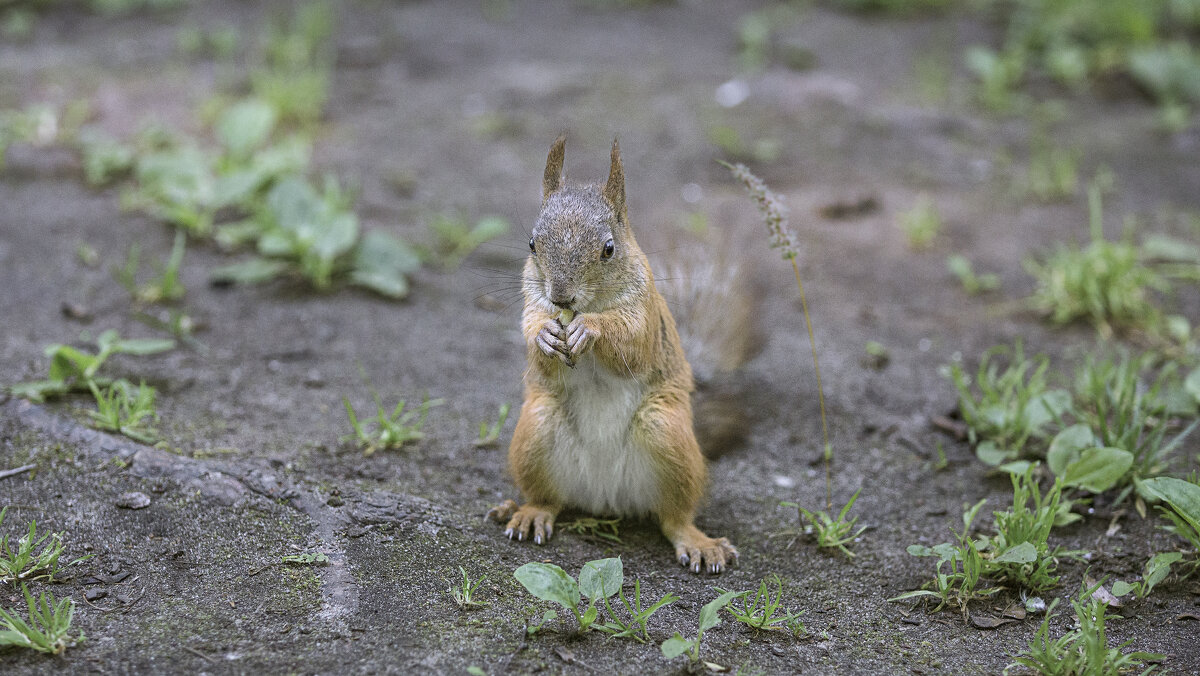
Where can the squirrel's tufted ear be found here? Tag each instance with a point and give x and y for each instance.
(552, 180)
(614, 190)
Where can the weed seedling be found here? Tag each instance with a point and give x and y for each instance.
(1013, 406)
(834, 532)
(1083, 650)
(48, 629)
(121, 408)
(489, 434)
(959, 583)
(73, 369)
(972, 283)
(1105, 282)
(28, 562)
(759, 611)
(921, 224)
(1019, 552)
(635, 626)
(598, 579)
(306, 559)
(1157, 569)
(454, 240)
(464, 592)
(1182, 507)
(605, 529)
(166, 286)
(391, 430)
(709, 617)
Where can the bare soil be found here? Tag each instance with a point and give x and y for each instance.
(436, 107)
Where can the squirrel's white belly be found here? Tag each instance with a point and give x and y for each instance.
(594, 462)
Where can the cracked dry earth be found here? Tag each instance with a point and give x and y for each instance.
(253, 468)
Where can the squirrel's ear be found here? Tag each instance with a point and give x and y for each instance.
(614, 190)
(552, 180)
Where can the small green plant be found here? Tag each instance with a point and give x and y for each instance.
(709, 617)
(299, 57)
(959, 583)
(1053, 171)
(1122, 423)
(121, 408)
(759, 611)
(1019, 552)
(306, 559)
(598, 579)
(1083, 650)
(834, 532)
(73, 369)
(972, 283)
(48, 629)
(1014, 404)
(1157, 569)
(316, 235)
(605, 529)
(489, 434)
(454, 239)
(1105, 283)
(1182, 507)
(28, 562)
(464, 592)
(391, 430)
(921, 224)
(164, 288)
(635, 626)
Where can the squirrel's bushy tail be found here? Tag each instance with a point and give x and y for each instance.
(715, 299)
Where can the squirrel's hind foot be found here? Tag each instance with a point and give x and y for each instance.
(524, 521)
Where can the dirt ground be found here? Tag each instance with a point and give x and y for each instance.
(465, 104)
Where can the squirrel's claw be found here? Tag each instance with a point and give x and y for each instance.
(710, 555)
(580, 336)
(551, 340)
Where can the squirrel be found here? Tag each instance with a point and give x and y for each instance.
(606, 425)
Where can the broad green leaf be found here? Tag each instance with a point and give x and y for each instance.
(1017, 467)
(1192, 384)
(920, 550)
(589, 616)
(1159, 566)
(67, 362)
(675, 646)
(381, 263)
(1121, 588)
(489, 227)
(601, 578)
(1022, 553)
(549, 583)
(336, 235)
(1098, 469)
(1067, 446)
(992, 455)
(252, 271)
(914, 594)
(1046, 407)
(245, 126)
(1182, 496)
(710, 613)
(38, 390)
(143, 346)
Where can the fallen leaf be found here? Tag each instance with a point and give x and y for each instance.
(1015, 612)
(716, 668)
(1187, 616)
(988, 622)
(1102, 594)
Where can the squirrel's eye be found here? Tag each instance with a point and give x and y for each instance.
(531, 246)
(608, 249)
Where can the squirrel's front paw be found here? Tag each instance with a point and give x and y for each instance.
(552, 340)
(706, 554)
(526, 522)
(581, 335)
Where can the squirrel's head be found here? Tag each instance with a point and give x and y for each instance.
(582, 251)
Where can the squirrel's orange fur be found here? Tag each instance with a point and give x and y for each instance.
(606, 424)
